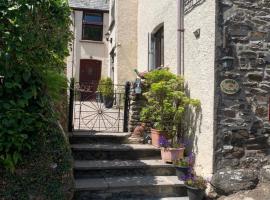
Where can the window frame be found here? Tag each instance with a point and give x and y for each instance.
(99, 25)
(159, 47)
(156, 48)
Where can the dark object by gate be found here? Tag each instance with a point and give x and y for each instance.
(91, 112)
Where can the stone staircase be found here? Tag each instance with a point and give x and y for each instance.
(106, 167)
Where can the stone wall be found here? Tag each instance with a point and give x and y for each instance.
(136, 105)
(243, 129)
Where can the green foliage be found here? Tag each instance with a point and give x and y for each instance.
(56, 84)
(105, 87)
(166, 101)
(45, 174)
(196, 182)
(156, 76)
(34, 38)
(182, 163)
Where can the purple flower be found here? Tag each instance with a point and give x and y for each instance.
(191, 159)
(163, 142)
(187, 177)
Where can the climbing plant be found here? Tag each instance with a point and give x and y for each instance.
(34, 37)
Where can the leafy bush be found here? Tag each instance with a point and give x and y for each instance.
(44, 174)
(34, 38)
(105, 87)
(166, 101)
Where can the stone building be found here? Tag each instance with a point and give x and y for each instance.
(88, 58)
(222, 49)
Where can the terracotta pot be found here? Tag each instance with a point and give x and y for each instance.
(172, 154)
(156, 135)
(195, 193)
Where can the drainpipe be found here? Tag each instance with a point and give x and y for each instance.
(73, 44)
(180, 37)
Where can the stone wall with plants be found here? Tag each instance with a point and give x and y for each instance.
(242, 94)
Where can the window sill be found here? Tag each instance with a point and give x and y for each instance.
(92, 41)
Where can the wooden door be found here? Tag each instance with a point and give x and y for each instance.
(90, 74)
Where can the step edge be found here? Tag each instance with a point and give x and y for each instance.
(108, 186)
(135, 165)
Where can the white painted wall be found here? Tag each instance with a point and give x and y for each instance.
(87, 49)
(151, 14)
(124, 40)
(200, 77)
(199, 61)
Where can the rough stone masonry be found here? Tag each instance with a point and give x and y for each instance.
(243, 129)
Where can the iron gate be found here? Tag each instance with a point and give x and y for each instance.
(91, 111)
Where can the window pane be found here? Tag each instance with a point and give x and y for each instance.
(92, 32)
(93, 18)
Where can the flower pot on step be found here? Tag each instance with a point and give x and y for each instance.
(108, 101)
(172, 154)
(181, 172)
(156, 135)
(195, 193)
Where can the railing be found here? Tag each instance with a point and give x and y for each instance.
(90, 111)
(191, 4)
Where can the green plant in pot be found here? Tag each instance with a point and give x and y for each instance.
(184, 166)
(196, 186)
(165, 108)
(106, 91)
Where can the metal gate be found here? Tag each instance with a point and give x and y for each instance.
(91, 111)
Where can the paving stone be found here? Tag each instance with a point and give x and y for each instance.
(102, 138)
(108, 164)
(113, 147)
(121, 182)
(91, 184)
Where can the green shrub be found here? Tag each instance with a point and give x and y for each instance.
(34, 38)
(166, 101)
(105, 87)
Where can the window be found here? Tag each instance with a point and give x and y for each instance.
(158, 40)
(92, 26)
(156, 49)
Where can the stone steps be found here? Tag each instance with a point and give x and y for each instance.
(101, 138)
(114, 152)
(142, 187)
(107, 168)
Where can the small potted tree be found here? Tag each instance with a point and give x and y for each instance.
(165, 108)
(196, 186)
(106, 91)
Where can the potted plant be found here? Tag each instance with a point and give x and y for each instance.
(196, 186)
(182, 168)
(106, 91)
(170, 153)
(165, 108)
